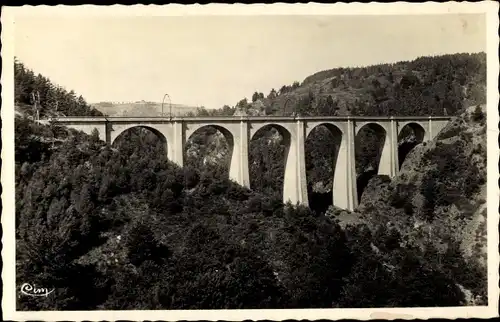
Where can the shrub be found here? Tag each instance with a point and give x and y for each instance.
(401, 195)
(142, 246)
(478, 116)
(408, 208)
(449, 133)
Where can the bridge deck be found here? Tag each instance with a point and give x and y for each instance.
(245, 118)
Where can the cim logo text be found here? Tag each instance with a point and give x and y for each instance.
(32, 290)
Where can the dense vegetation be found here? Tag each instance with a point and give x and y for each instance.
(54, 99)
(113, 217)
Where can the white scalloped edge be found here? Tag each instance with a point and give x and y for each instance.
(490, 8)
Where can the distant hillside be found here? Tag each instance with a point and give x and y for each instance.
(142, 109)
(425, 86)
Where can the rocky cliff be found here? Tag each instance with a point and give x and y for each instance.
(439, 197)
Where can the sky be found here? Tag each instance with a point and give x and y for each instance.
(215, 60)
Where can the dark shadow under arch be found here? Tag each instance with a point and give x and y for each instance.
(411, 135)
(200, 140)
(138, 137)
(268, 157)
(266, 128)
(369, 143)
(322, 149)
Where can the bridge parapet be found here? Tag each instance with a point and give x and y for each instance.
(246, 118)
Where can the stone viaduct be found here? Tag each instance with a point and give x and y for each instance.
(238, 131)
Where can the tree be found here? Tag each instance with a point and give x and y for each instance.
(328, 106)
(390, 77)
(272, 94)
(243, 104)
(478, 115)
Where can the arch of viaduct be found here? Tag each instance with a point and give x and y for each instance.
(238, 131)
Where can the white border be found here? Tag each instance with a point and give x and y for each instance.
(490, 8)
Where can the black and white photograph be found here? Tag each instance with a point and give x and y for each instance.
(250, 161)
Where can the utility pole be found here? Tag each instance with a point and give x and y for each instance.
(163, 101)
(36, 105)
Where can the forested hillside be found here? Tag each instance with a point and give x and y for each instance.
(188, 238)
(54, 99)
(424, 86)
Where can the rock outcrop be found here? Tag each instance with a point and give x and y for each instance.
(439, 195)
